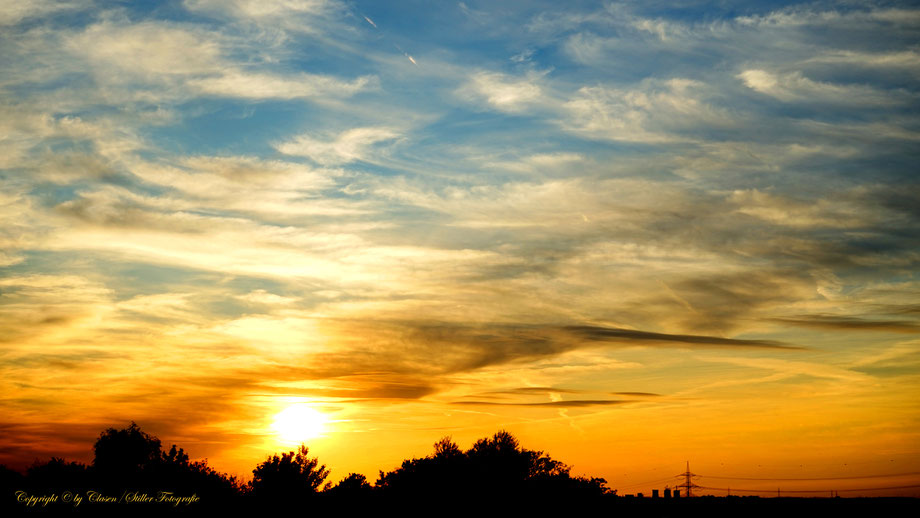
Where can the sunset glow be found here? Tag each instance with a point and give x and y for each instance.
(632, 234)
(299, 423)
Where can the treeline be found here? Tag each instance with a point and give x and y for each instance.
(130, 467)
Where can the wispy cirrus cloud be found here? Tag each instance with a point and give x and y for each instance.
(794, 87)
(504, 93)
(852, 323)
(348, 146)
(16, 12)
(193, 60)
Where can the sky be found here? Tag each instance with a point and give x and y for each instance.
(633, 234)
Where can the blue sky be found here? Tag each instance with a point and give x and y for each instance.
(392, 211)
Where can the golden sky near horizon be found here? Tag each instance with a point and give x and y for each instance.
(633, 235)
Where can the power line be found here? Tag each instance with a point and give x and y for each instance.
(688, 484)
(809, 490)
(879, 488)
(817, 478)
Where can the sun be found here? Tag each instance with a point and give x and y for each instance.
(299, 422)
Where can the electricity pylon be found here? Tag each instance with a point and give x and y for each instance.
(688, 484)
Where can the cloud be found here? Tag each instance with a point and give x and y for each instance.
(785, 369)
(354, 388)
(232, 179)
(24, 442)
(190, 61)
(794, 87)
(12, 13)
(503, 93)
(536, 390)
(840, 211)
(225, 188)
(906, 59)
(151, 50)
(801, 16)
(349, 146)
(655, 112)
(850, 323)
(606, 334)
(266, 86)
(574, 403)
(900, 354)
(301, 15)
(444, 348)
(540, 163)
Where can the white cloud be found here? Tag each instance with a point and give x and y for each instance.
(792, 87)
(15, 11)
(267, 298)
(263, 8)
(541, 162)
(277, 17)
(349, 146)
(148, 49)
(786, 211)
(502, 92)
(654, 111)
(587, 48)
(663, 30)
(265, 86)
(908, 59)
(272, 189)
(182, 61)
(797, 17)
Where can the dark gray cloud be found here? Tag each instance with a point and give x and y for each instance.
(535, 390)
(410, 349)
(907, 309)
(608, 334)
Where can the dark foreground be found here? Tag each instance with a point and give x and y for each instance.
(133, 475)
(470, 505)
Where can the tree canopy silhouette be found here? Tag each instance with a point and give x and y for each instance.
(494, 467)
(292, 475)
(131, 458)
(126, 451)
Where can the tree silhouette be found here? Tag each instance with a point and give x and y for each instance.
(354, 485)
(131, 458)
(446, 448)
(496, 468)
(125, 452)
(292, 475)
(57, 474)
